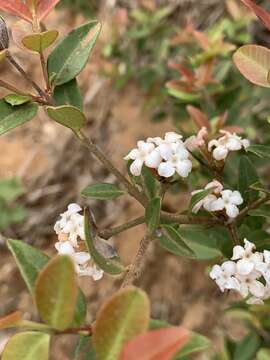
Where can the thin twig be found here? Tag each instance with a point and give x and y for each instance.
(44, 71)
(135, 269)
(252, 206)
(27, 78)
(131, 189)
(108, 233)
(234, 234)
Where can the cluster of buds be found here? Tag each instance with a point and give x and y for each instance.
(70, 231)
(247, 273)
(219, 200)
(167, 156)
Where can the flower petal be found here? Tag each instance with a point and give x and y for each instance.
(166, 169)
(184, 167)
(232, 211)
(136, 167)
(244, 267)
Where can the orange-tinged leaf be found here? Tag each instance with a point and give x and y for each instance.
(16, 8)
(198, 117)
(44, 7)
(159, 344)
(262, 14)
(253, 61)
(123, 317)
(56, 292)
(10, 320)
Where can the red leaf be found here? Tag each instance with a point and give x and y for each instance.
(262, 14)
(155, 345)
(10, 320)
(44, 7)
(17, 8)
(198, 117)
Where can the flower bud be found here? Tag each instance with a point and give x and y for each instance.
(4, 37)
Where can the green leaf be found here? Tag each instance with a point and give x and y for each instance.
(102, 191)
(68, 94)
(109, 265)
(68, 116)
(184, 96)
(259, 187)
(12, 117)
(17, 99)
(172, 242)
(263, 354)
(11, 189)
(263, 211)
(197, 343)
(246, 177)
(205, 244)
(150, 183)
(122, 318)
(152, 214)
(261, 151)
(198, 197)
(40, 41)
(247, 348)
(56, 292)
(30, 262)
(27, 346)
(70, 57)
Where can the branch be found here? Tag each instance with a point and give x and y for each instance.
(252, 206)
(108, 233)
(135, 269)
(131, 189)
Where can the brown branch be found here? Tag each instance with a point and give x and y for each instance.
(135, 269)
(252, 206)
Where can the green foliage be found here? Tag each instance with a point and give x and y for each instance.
(68, 116)
(56, 292)
(102, 191)
(115, 328)
(12, 117)
(171, 240)
(71, 55)
(68, 94)
(15, 99)
(152, 214)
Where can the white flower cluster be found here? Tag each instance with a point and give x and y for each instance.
(221, 147)
(219, 200)
(168, 156)
(248, 273)
(70, 231)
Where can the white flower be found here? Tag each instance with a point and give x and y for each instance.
(247, 259)
(208, 199)
(264, 266)
(228, 201)
(81, 260)
(169, 138)
(176, 159)
(250, 285)
(253, 300)
(145, 153)
(71, 224)
(228, 142)
(224, 276)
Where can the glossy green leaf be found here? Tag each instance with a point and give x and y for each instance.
(247, 348)
(12, 117)
(152, 214)
(30, 262)
(247, 176)
(171, 240)
(150, 183)
(261, 151)
(184, 96)
(123, 317)
(27, 346)
(56, 292)
(70, 56)
(253, 61)
(68, 116)
(102, 191)
(198, 197)
(68, 94)
(39, 42)
(197, 343)
(109, 265)
(16, 99)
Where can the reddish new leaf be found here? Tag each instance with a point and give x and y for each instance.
(262, 14)
(159, 344)
(16, 8)
(10, 320)
(44, 7)
(198, 117)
